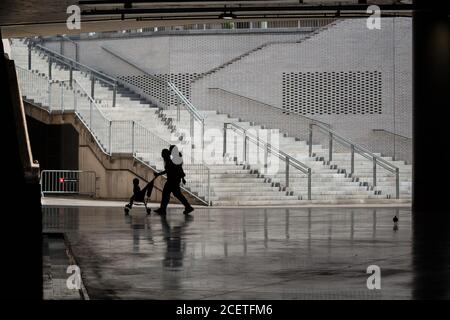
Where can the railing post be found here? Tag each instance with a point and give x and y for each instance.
(192, 137)
(110, 137)
(92, 85)
(397, 183)
(310, 139)
(203, 138)
(209, 188)
(114, 94)
(309, 183)
(76, 52)
(191, 127)
(266, 158)
(62, 98)
(29, 56)
(287, 172)
(75, 100)
(90, 114)
(71, 75)
(224, 139)
(49, 68)
(352, 160)
(330, 147)
(132, 137)
(50, 95)
(245, 147)
(374, 171)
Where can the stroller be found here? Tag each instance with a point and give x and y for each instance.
(140, 198)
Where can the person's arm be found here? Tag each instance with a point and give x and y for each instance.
(160, 173)
(182, 175)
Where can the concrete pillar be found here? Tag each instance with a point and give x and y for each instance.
(431, 97)
(431, 186)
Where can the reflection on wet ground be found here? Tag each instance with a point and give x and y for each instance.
(245, 253)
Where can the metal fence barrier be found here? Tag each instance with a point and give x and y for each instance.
(68, 182)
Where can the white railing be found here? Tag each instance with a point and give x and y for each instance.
(54, 60)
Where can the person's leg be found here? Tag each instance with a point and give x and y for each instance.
(130, 205)
(165, 198)
(179, 195)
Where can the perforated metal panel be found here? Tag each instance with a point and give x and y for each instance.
(341, 92)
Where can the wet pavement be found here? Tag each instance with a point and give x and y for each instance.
(240, 253)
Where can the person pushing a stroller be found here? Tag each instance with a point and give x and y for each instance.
(175, 175)
(173, 167)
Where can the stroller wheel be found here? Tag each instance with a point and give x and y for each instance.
(149, 210)
(126, 209)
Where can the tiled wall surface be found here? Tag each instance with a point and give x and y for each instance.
(347, 48)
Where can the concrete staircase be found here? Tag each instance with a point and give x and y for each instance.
(232, 181)
(130, 106)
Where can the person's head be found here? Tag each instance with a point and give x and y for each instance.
(135, 181)
(176, 155)
(165, 154)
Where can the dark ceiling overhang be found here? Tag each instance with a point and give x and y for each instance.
(47, 17)
(246, 10)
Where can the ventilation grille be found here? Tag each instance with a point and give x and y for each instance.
(324, 93)
(159, 90)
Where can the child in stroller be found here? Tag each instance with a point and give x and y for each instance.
(140, 195)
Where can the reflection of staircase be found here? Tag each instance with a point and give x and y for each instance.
(258, 48)
(232, 182)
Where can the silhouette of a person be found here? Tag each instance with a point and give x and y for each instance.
(138, 194)
(175, 174)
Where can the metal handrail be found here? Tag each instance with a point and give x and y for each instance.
(377, 160)
(137, 124)
(301, 165)
(190, 107)
(66, 38)
(269, 106)
(289, 160)
(363, 151)
(72, 64)
(392, 133)
(91, 99)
